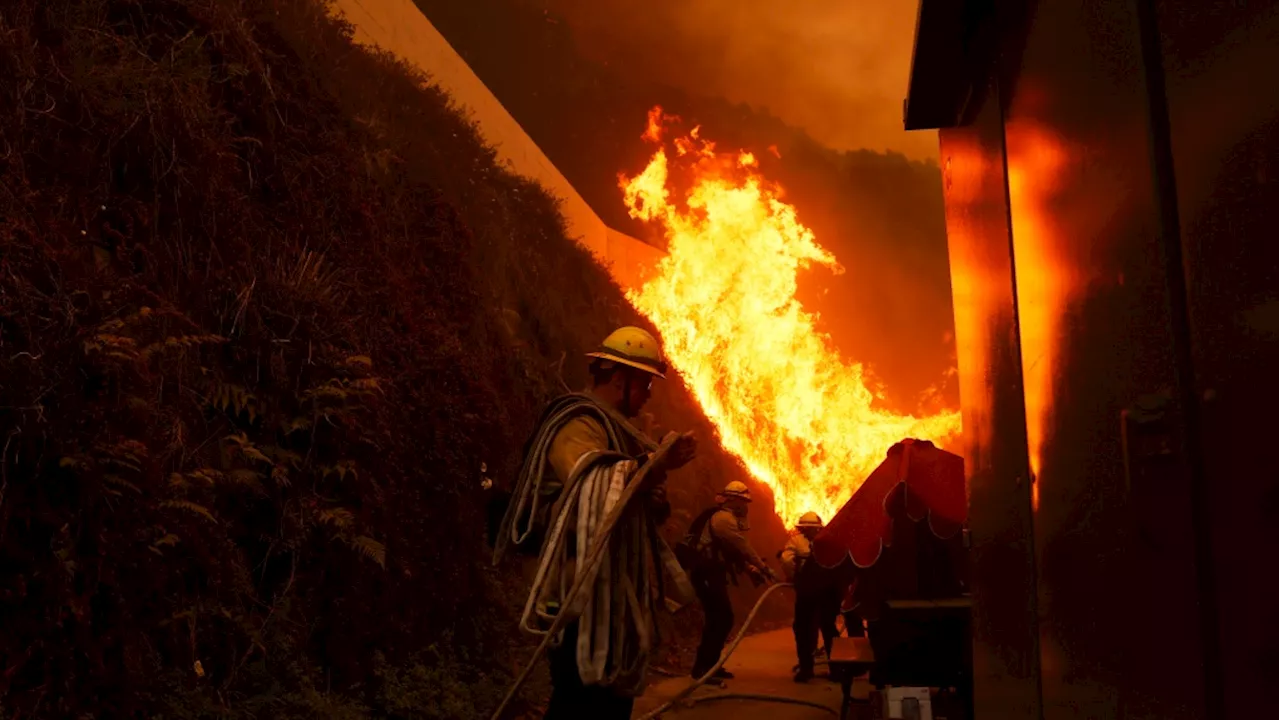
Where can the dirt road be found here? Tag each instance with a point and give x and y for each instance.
(762, 665)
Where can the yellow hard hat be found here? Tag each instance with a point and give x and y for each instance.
(634, 347)
(737, 489)
(809, 519)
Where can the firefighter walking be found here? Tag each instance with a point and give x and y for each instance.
(584, 452)
(720, 552)
(817, 603)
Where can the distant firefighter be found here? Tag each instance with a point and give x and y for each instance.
(715, 551)
(817, 603)
(577, 463)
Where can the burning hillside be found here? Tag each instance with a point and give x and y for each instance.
(804, 420)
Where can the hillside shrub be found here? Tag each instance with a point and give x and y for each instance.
(269, 313)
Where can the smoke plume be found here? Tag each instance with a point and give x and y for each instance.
(836, 68)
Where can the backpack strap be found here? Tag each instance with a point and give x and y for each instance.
(698, 525)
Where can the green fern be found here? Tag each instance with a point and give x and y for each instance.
(168, 540)
(190, 507)
(245, 477)
(125, 454)
(366, 386)
(282, 456)
(116, 347)
(360, 360)
(117, 481)
(74, 462)
(342, 468)
(234, 399)
(280, 476)
(370, 549)
(208, 476)
(330, 390)
(338, 517)
(117, 324)
(180, 342)
(245, 447)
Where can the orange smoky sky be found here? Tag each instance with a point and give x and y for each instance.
(837, 68)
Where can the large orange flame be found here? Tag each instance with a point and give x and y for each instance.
(802, 419)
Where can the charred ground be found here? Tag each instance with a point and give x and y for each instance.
(267, 306)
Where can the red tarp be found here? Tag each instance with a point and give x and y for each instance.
(933, 487)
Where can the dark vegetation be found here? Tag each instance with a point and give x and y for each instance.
(880, 213)
(269, 314)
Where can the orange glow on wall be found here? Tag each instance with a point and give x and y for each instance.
(967, 175)
(1036, 163)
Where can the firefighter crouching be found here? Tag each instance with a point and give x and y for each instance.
(817, 603)
(715, 552)
(584, 452)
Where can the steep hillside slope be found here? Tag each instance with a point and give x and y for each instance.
(267, 308)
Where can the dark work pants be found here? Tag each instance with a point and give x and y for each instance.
(816, 612)
(570, 699)
(712, 588)
(828, 609)
(853, 623)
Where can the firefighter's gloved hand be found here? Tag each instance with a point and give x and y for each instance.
(682, 452)
(760, 574)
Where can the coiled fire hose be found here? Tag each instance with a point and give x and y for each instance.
(579, 583)
(588, 569)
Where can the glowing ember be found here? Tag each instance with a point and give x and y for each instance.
(801, 418)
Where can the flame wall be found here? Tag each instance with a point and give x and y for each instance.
(399, 27)
(1110, 175)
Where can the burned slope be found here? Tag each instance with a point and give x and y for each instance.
(266, 306)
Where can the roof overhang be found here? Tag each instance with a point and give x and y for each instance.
(945, 64)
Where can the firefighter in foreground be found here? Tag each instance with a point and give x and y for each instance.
(583, 453)
(817, 604)
(719, 552)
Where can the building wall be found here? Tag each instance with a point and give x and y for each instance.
(1217, 67)
(1139, 176)
(1112, 469)
(399, 27)
(1006, 654)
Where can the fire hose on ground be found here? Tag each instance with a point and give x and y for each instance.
(579, 583)
(742, 632)
(694, 685)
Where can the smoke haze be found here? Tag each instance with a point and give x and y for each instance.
(837, 68)
(705, 61)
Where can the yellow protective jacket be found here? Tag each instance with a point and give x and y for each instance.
(723, 537)
(795, 553)
(579, 462)
(584, 435)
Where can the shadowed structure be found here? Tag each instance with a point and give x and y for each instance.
(1109, 172)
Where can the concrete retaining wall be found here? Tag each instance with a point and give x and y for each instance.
(399, 27)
